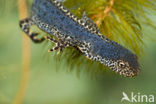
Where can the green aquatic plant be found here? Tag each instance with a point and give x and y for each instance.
(120, 20)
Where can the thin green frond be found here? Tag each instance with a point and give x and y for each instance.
(120, 20)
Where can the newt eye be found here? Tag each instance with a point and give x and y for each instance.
(122, 64)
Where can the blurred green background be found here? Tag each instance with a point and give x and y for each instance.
(49, 84)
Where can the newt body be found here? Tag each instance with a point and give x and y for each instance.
(52, 17)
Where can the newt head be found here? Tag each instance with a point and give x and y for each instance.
(126, 65)
(116, 57)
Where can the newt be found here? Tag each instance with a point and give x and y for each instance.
(53, 18)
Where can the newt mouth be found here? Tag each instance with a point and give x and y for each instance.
(129, 73)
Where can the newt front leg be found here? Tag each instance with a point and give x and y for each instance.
(25, 25)
(58, 45)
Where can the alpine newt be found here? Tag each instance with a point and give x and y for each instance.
(53, 18)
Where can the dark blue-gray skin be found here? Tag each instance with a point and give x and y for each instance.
(66, 30)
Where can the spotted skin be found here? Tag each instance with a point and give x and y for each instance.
(25, 25)
(53, 18)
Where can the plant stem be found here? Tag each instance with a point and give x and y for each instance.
(25, 57)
